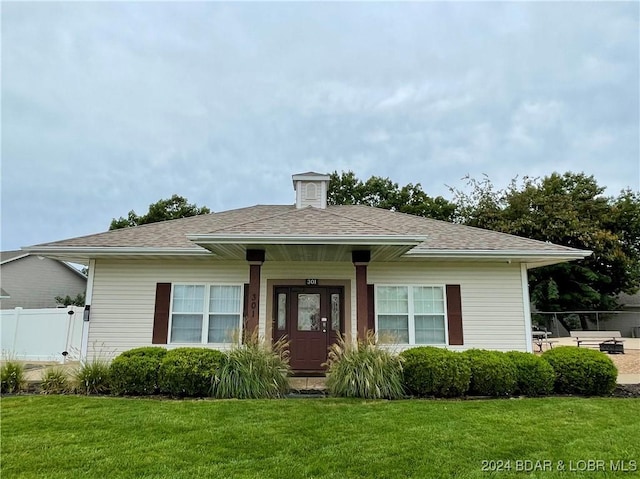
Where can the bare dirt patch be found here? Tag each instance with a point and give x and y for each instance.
(627, 363)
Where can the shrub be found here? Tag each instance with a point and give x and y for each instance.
(492, 373)
(534, 376)
(363, 370)
(55, 380)
(188, 371)
(431, 371)
(136, 371)
(581, 371)
(254, 370)
(12, 377)
(92, 377)
(146, 351)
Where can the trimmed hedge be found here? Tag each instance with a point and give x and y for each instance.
(432, 371)
(135, 371)
(582, 371)
(189, 371)
(534, 376)
(492, 373)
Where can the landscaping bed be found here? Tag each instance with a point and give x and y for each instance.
(627, 391)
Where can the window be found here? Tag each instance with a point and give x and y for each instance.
(411, 314)
(205, 313)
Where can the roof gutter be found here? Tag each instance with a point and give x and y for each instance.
(14, 258)
(113, 250)
(499, 254)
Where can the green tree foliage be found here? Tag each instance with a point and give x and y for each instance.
(346, 189)
(169, 209)
(67, 300)
(567, 209)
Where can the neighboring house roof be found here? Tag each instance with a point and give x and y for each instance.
(287, 225)
(6, 256)
(629, 300)
(33, 281)
(9, 256)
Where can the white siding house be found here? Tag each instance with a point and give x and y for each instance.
(309, 272)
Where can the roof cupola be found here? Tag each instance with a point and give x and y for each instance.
(311, 189)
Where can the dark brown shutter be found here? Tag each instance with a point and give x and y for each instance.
(161, 314)
(371, 310)
(454, 314)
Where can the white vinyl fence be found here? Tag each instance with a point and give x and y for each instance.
(41, 334)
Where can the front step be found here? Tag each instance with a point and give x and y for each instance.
(313, 385)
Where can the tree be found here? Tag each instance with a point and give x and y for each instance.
(346, 189)
(79, 300)
(169, 209)
(570, 210)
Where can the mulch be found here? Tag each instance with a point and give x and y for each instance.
(627, 391)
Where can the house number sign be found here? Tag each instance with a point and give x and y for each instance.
(312, 282)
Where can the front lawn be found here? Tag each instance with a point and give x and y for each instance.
(71, 436)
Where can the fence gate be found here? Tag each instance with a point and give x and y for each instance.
(41, 334)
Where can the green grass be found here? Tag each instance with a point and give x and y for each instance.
(72, 436)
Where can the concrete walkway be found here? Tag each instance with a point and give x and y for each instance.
(628, 379)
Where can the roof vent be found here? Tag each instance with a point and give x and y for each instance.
(311, 189)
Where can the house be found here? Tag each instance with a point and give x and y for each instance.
(31, 281)
(306, 271)
(627, 319)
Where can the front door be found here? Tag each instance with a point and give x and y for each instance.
(311, 318)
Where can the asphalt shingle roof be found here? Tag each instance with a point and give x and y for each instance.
(9, 255)
(274, 220)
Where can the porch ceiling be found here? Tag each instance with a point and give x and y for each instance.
(307, 252)
(297, 247)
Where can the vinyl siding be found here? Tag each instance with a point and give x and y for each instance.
(124, 295)
(124, 298)
(33, 283)
(492, 300)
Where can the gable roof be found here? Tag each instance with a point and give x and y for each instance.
(229, 233)
(10, 256)
(6, 256)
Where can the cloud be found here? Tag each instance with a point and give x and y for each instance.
(108, 107)
(532, 121)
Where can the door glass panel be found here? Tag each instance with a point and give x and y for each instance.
(282, 311)
(309, 312)
(335, 312)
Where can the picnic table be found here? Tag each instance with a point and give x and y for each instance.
(608, 341)
(541, 337)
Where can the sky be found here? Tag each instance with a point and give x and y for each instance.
(112, 106)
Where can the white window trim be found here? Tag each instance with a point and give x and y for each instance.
(411, 320)
(205, 316)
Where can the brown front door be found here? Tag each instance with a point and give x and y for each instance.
(311, 317)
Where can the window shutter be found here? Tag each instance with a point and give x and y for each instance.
(454, 314)
(161, 314)
(371, 308)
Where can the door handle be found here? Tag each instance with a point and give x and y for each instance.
(324, 324)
